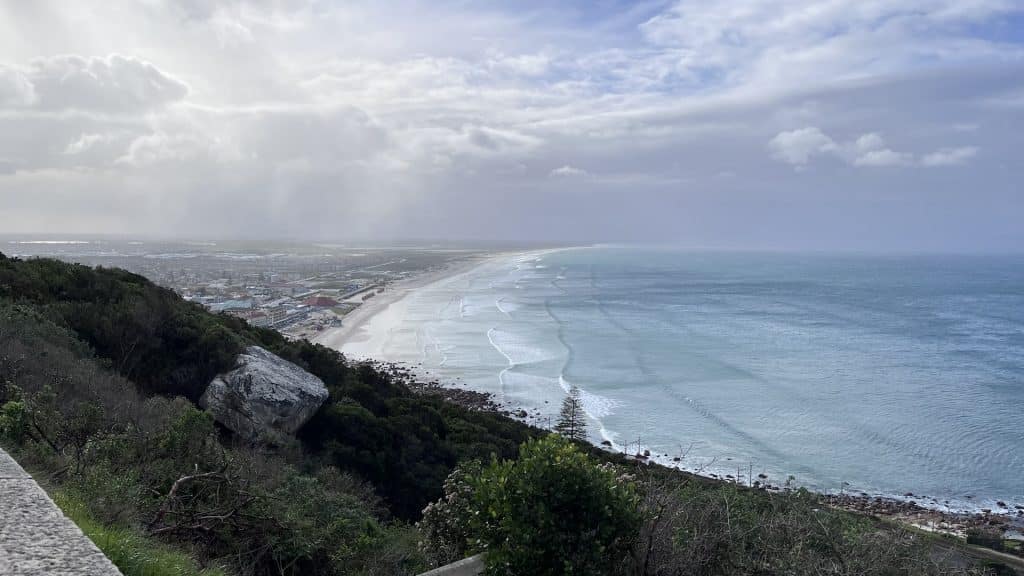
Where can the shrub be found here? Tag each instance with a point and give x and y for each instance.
(445, 528)
(728, 529)
(13, 423)
(986, 538)
(554, 511)
(133, 553)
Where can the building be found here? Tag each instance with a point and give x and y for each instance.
(320, 301)
(232, 305)
(257, 318)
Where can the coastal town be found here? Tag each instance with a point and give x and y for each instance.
(298, 289)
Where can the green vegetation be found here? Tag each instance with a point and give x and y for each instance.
(156, 469)
(404, 444)
(729, 529)
(553, 511)
(133, 553)
(99, 372)
(557, 511)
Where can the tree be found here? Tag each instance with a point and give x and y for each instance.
(572, 421)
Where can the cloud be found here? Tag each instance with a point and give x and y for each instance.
(348, 119)
(161, 147)
(870, 150)
(15, 88)
(797, 147)
(84, 143)
(770, 43)
(883, 157)
(8, 166)
(869, 142)
(567, 171)
(523, 64)
(950, 156)
(113, 83)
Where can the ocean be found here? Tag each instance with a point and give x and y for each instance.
(890, 375)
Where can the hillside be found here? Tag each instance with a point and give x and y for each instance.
(99, 374)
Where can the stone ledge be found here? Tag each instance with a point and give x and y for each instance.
(36, 539)
(472, 566)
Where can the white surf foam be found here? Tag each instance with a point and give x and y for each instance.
(518, 349)
(506, 306)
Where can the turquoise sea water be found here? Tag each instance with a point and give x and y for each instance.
(877, 373)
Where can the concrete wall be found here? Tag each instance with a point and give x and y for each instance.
(36, 539)
(472, 566)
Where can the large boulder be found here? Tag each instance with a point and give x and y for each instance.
(263, 396)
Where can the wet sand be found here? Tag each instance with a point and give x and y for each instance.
(353, 324)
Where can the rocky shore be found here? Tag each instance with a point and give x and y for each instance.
(479, 401)
(912, 513)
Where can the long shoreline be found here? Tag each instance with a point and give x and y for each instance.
(354, 322)
(916, 510)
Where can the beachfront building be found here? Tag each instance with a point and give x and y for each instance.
(320, 301)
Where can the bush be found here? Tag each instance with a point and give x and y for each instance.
(554, 511)
(986, 538)
(13, 423)
(445, 528)
(724, 529)
(133, 553)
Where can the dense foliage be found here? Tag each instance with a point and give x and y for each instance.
(553, 511)
(91, 361)
(140, 471)
(147, 333)
(696, 529)
(402, 443)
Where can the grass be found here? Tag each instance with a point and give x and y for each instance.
(132, 552)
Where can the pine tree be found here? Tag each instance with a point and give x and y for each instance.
(572, 422)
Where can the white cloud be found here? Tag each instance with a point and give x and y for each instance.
(869, 142)
(523, 64)
(379, 113)
(950, 156)
(84, 143)
(567, 171)
(160, 146)
(15, 88)
(112, 84)
(870, 150)
(883, 157)
(796, 147)
(774, 42)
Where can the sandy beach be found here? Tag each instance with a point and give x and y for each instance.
(354, 323)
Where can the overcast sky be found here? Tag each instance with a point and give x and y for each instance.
(774, 124)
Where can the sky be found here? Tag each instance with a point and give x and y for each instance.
(876, 125)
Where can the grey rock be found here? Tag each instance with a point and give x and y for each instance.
(263, 396)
